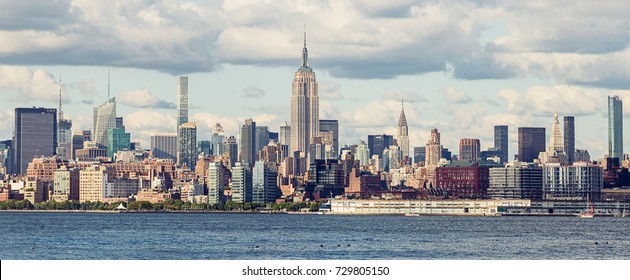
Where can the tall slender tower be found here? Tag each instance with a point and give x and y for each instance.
(304, 106)
(104, 119)
(182, 100)
(557, 143)
(615, 128)
(402, 136)
(569, 138)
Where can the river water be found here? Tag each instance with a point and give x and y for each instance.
(201, 236)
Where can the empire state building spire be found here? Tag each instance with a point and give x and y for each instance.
(304, 53)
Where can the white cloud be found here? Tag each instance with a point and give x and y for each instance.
(142, 98)
(403, 95)
(253, 92)
(456, 96)
(543, 100)
(25, 84)
(142, 123)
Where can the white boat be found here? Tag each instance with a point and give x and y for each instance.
(412, 215)
(589, 212)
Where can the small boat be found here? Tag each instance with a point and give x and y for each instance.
(589, 212)
(412, 215)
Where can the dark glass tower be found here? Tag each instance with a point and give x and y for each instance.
(531, 141)
(35, 135)
(569, 138)
(331, 126)
(615, 127)
(378, 143)
(248, 142)
(501, 141)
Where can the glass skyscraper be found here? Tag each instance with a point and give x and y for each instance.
(531, 142)
(104, 119)
(569, 138)
(615, 127)
(35, 135)
(187, 152)
(501, 141)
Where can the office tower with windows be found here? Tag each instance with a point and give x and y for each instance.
(34, 135)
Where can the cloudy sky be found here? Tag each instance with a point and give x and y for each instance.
(460, 66)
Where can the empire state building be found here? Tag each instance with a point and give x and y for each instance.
(304, 106)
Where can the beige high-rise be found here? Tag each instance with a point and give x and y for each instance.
(304, 106)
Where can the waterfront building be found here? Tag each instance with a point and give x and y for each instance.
(569, 138)
(378, 143)
(43, 168)
(363, 184)
(241, 183)
(164, 145)
(264, 182)
(402, 134)
(34, 135)
(93, 181)
(579, 181)
(326, 177)
(304, 105)
(469, 149)
(35, 190)
(118, 140)
(615, 127)
(216, 182)
(331, 126)
(187, 152)
(248, 142)
(531, 142)
(464, 179)
(104, 119)
(517, 180)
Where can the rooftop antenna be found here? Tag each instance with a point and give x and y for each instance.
(60, 113)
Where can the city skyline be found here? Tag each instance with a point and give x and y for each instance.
(363, 72)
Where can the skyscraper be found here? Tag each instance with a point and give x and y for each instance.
(469, 149)
(241, 183)
(216, 182)
(378, 143)
(262, 137)
(501, 141)
(557, 143)
(615, 127)
(531, 142)
(217, 140)
(331, 126)
(64, 135)
(248, 142)
(187, 152)
(433, 150)
(304, 106)
(569, 138)
(182, 100)
(363, 154)
(182, 109)
(164, 145)
(104, 119)
(402, 135)
(117, 140)
(285, 135)
(35, 135)
(265, 182)
(230, 148)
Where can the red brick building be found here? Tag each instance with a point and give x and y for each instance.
(463, 179)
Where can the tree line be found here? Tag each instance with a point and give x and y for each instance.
(167, 205)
